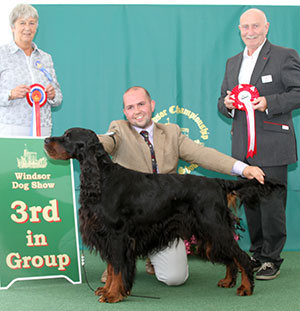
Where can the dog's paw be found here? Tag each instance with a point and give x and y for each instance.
(111, 298)
(226, 283)
(99, 291)
(244, 291)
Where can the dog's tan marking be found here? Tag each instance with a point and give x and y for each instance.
(114, 290)
(228, 281)
(245, 289)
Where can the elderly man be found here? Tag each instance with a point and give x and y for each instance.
(275, 72)
(143, 145)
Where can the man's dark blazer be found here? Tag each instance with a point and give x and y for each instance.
(276, 76)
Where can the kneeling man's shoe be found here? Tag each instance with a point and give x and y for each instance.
(149, 267)
(255, 264)
(268, 271)
(104, 276)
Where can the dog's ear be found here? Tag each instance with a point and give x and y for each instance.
(101, 153)
(81, 151)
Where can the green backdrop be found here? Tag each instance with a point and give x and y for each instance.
(177, 52)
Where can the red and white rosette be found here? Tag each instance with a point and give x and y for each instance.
(243, 96)
(36, 98)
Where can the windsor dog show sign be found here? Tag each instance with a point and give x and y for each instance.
(38, 223)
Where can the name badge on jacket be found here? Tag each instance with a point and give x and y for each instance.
(266, 79)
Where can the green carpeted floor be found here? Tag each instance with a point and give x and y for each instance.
(199, 293)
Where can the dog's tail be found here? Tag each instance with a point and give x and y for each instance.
(250, 192)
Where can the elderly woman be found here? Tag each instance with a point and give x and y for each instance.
(22, 64)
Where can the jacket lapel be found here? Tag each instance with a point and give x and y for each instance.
(260, 63)
(234, 70)
(159, 142)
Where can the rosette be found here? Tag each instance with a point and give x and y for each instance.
(36, 98)
(243, 96)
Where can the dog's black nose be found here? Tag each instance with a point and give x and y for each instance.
(47, 140)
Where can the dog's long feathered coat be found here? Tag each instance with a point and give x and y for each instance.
(126, 214)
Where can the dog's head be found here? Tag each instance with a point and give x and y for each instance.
(73, 144)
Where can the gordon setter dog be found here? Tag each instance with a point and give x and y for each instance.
(125, 215)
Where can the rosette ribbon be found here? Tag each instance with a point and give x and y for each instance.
(36, 98)
(243, 96)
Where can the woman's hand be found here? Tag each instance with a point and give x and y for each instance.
(19, 91)
(50, 90)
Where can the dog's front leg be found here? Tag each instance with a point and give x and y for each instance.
(113, 290)
(101, 290)
(121, 270)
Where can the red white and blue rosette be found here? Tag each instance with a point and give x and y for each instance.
(243, 96)
(36, 98)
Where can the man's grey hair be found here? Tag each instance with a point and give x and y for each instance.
(22, 11)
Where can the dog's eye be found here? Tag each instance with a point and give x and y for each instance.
(68, 135)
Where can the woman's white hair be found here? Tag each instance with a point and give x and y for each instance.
(22, 11)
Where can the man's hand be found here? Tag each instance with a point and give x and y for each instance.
(251, 172)
(228, 102)
(260, 104)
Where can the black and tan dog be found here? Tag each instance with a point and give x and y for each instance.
(126, 214)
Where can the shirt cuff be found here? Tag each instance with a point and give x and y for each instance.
(231, 113)
(51, 102)
(238, 168)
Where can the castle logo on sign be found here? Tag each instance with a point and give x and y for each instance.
(30, 160)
